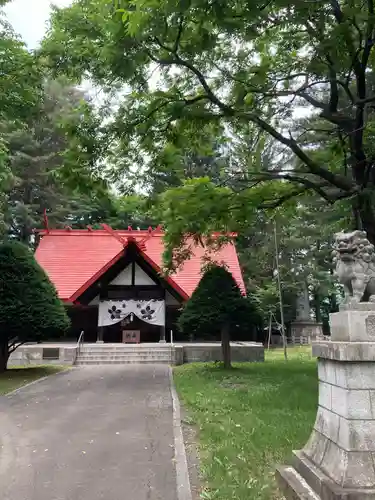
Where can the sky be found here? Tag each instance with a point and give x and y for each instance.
(29, 18)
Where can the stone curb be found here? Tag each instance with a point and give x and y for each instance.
(16, 391)
(182, 471)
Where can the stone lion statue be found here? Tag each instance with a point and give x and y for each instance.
(355, 266)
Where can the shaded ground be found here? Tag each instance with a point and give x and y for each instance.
(17, 377)
(249, 420)
(91, 433)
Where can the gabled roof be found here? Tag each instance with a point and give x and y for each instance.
(75, 258)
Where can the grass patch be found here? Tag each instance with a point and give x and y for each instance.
(16, 377)
(249, 420)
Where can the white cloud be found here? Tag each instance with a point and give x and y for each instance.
(29, 18)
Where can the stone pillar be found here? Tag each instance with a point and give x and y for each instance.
(338, 461)
(303, 328)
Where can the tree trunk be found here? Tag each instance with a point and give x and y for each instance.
(333, 303)
(317, 306)
(225, 346)
(365, 219)
(4, 355)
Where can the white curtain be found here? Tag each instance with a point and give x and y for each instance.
(150, 311)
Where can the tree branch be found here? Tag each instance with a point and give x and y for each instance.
(13, 346)
(179, 34)
(282, 199)
(337, 12)
(369, 33)
(314, 168)
(334, 92)
(334, 179)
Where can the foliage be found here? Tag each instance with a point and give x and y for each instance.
(29, 307)
(305, 240)
(217, 301)
(20, 78)
(133, 210)
(231, 65)
(20, 86)
(244, 113)
(249, 420)
(305, 230)
(50, 162)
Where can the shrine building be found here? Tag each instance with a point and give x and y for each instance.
(112, 284)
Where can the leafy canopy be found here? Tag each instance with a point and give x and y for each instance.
(20, 86)
(231, 64)
(20, 77)
(52, 161)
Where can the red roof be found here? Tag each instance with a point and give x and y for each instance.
(75, 258)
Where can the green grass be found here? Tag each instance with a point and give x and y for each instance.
(16, 377)
(249, 420)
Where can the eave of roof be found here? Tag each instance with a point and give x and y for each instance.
(96, 276)
(123, 238)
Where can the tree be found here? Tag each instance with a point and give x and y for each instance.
(217, 306)
(52, 161)
(29, 307)
(20, 87)
(20, 78)
(305, 233)
(238, 63)
(305, 237)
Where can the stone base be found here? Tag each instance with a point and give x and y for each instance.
(354, 325)
(181, 352)
(305, 481)
(307, 330)
(293, 485)
(338, 461)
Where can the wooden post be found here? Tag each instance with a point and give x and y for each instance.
(280, 294)
(269, 331)
(162, 334)
(225, 346)
(162, 331)
(100, 335)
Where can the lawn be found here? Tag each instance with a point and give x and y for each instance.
(249, 419)
(16, 377)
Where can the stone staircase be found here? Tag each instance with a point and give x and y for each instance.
(119, 354)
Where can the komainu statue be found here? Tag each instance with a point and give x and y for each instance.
(355, 266)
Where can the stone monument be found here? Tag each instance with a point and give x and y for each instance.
(303, 328)
(338, 461)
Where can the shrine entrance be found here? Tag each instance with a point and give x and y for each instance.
(134, 303)
(133, 332)
(131, 321)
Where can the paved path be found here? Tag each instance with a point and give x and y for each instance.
(92, 433)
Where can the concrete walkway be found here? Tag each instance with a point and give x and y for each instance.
(89, 434)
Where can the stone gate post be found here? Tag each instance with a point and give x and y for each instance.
(338, 461)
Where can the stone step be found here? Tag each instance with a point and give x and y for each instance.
(126, 356)
(125, 350)
(121, 357)
(120, 345)
(130, 351)
(294, 485)
(122, 362)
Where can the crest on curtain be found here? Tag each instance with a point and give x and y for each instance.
(151, 311)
